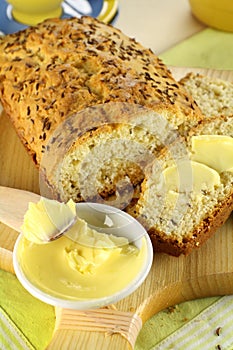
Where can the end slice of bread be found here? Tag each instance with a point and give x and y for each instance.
(213, 96)
(179, 222)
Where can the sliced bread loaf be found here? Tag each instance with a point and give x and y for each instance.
(94, 108)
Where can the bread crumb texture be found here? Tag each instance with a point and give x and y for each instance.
(214, 96)
(179, 223)
(111, 157)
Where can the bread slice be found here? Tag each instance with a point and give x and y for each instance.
(100, 154)
(177, 224)
(62, 66)
(213, 96)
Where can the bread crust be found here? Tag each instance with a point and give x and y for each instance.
(207, 228)
(61, 66)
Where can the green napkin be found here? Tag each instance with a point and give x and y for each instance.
(208, 49)
(10, 334)
(167, 321)
(190, 328)
(34, 319)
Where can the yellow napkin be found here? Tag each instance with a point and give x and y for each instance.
(208, 49)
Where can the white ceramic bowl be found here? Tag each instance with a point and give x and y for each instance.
(122, 225)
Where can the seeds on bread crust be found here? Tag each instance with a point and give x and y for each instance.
(59, 67)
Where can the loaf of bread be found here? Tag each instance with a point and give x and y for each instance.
(180, 218)
(62, 66)
(95, 110)
(214, 96)
(51, 72)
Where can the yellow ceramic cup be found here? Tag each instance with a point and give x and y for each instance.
(31, 12)
(215, 13)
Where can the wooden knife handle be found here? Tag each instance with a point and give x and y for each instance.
(14, 204)
(105, 328)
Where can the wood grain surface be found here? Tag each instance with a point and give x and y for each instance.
(208, 271)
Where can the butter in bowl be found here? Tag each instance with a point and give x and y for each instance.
(103, 257)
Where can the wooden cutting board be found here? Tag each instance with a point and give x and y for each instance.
(208, 271)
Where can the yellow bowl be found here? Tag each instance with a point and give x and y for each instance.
(215, 13)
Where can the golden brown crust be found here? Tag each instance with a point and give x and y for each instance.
(59, 67)
(189, 76)
(200, 235)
